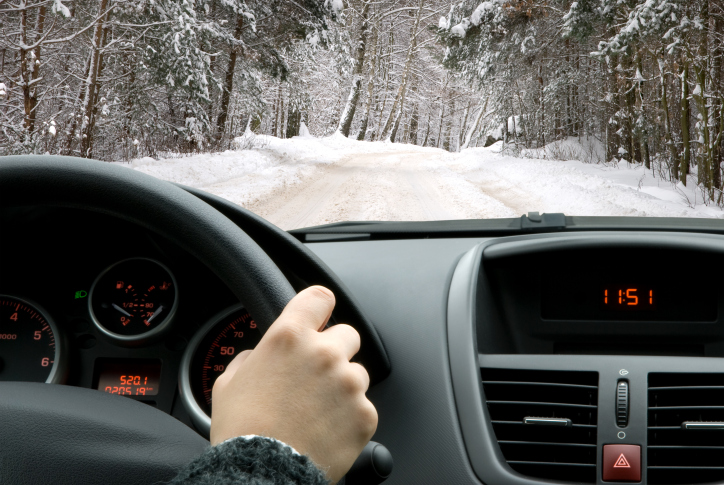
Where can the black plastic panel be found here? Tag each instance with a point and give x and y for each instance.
(677, 455)
(491, 326)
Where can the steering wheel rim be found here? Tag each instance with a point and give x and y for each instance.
(160, 207)
(171, 212)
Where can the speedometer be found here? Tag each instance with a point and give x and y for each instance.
(212, 349)
(29, 343)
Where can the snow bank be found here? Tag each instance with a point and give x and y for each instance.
(584, 189)
(484, 180)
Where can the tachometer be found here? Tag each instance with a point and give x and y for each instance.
(133, 300)
(217, 343)
(29, 343)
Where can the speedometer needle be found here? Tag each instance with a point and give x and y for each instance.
(155, 314)
(121, 310)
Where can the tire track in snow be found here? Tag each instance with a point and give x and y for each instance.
(378, 186)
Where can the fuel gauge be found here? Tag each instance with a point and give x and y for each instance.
(133, 300)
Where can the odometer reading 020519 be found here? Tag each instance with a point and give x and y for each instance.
(228, 336)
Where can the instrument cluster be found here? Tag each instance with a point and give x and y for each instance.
(132, 315)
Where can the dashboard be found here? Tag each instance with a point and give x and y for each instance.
(593, 354)
(93, 301)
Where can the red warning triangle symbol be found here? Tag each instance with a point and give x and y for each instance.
(622, 462)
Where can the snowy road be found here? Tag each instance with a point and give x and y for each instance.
(397, 186)
(303, 182)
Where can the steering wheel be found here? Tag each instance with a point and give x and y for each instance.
(68, 435)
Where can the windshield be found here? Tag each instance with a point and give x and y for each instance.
(310, 112)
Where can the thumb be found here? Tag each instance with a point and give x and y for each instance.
(310, 308)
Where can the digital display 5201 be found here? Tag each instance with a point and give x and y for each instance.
(128, 377)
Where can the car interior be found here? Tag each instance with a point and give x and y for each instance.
(521, 351)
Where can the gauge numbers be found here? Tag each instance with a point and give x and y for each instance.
(133, 299)
(29, 346)
(207, 356)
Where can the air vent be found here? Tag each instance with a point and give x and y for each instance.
(545, 421)
(686, 428)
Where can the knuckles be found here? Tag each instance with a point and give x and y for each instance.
(286, 336)
(368, 419)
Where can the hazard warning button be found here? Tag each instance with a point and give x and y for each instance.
(621, 463)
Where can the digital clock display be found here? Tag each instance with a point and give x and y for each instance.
(128, 377)
(626, 297)
(629, 297)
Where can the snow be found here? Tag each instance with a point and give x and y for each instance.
(305, 180)
(458, 31)
(304, 131)
(59, 7)
(3, 89)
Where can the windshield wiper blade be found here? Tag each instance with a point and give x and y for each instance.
(527, 224)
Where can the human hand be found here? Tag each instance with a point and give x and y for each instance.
(298, 386)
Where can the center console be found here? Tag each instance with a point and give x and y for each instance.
(591, 358)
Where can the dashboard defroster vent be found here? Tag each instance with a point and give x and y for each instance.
(686, 428)
(545, 421)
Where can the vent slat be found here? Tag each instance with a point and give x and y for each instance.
(549, 384)
(668, 447)
(545, 443)
(545, 463)
(559, 453)
(682, 408)
(592, 426)
(689, 388)
(683, 456)
(558, 404)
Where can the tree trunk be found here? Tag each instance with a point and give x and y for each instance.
(294, 120)
(229, 81)
(686, 154)
(668, 139)
(396, 110)
(718, 105)
(370, 86)
(345, 122)
(478, 119)
(91, 84)
(427, 130)
(413, 126)
(31, 74)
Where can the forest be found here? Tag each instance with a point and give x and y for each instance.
(122, 79)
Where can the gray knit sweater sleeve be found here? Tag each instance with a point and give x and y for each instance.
(250, 461)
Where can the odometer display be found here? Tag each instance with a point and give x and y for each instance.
(128, 377)
(29, 347)
(218, 342)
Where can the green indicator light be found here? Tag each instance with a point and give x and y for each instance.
(81, 294)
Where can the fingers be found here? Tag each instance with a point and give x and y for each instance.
(345, 338)
(311, 308)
